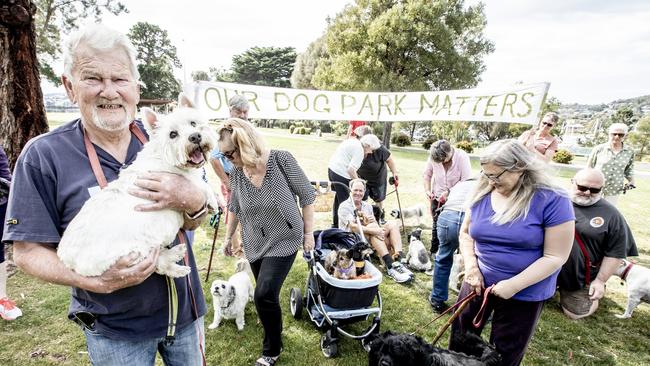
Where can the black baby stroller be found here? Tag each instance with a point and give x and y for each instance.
(333, 303)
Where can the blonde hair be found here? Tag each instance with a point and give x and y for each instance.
(245, 138)
(513, 156)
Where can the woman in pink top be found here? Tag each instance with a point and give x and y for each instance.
(445, 167)
(539, 140)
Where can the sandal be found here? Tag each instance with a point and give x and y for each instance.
(266, 361)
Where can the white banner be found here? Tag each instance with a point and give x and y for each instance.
(518, 104)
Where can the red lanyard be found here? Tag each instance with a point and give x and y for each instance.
(94, 160)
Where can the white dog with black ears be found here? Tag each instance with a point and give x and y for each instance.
(638, 285)
(108, 227)
(229, 298)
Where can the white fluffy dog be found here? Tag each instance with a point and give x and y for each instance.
(638, 285)
(229, 298)
(418, 256)
(107, 227)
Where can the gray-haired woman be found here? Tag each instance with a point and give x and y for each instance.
(514, 239)
(373, 169)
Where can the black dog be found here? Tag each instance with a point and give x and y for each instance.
(392, 349)
(360, 250)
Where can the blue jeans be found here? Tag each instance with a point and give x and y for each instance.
(183, 351)
(448, 228)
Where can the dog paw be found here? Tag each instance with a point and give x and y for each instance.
(176, 253)
(178, 271)
(213, 326)
(622, 316)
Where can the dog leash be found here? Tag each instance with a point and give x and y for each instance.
(215, 224)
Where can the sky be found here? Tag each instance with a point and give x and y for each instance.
(591, 51)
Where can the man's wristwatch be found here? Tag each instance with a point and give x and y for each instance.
(197, 214)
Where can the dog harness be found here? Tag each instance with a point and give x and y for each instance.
(347, 270)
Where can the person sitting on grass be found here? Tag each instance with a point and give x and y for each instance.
(383, 240)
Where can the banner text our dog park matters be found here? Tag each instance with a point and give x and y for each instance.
(516, 104)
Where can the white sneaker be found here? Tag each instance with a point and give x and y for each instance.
(9, 310)
(403, 269)
(397, 272)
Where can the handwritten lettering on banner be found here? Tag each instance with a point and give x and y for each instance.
(520, 103)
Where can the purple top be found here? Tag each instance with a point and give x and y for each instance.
(459, 171)
(504, 251)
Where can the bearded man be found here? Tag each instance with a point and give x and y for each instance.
(602, 238)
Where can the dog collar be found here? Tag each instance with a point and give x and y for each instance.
(626, 271)
(346, 270)
(359, 264)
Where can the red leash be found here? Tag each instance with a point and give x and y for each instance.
(478, 319)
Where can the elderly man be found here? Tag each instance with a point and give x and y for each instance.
(239, 107)
(124, 312)
(602, 239)
(616, 161)
(383, 240)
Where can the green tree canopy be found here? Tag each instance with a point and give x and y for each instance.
(157, 58)
(404, 45)
(56, 17)
(640, 138)
(200, 75)
(270, 66)
(307, 62)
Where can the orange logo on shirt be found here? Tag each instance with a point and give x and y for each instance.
(597, 221)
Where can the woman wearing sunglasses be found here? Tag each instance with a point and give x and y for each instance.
(264, 184)
(515, 236)
(616, 161)
(540, 140)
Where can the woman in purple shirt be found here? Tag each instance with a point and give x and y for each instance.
(516, 236)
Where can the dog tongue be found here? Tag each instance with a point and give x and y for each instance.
(197, 156)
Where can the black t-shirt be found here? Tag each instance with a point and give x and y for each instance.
(373, 168)
(605, 233)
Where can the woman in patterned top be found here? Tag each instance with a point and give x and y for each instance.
(616, 161)
(264, 185)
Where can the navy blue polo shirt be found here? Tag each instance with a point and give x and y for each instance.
(52, 180)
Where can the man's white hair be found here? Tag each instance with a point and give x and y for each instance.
(238, 102)
(98, 37)
(618, 126)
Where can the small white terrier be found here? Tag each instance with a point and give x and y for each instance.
(229, 298)
(638, 285)
(107, 227)
(418, 256)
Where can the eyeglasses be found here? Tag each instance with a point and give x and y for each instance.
(548, 124)
(229, 154)
(494, 178)
(618, 134)
(591, 190)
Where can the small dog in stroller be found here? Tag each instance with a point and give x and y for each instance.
(339, 264)
(393, 349)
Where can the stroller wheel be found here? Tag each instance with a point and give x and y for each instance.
(328, 346)
(295, 302)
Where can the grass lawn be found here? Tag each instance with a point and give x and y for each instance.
(44, 336)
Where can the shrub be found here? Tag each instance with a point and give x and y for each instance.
(465, 145)
(291, 128)
(401, 140)
(306, 131)
(563, 156)
(428, 142)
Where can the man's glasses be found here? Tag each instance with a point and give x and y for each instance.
(494, 178)
(618, 134)
(591, 190)
(229, 154)
(548, 124)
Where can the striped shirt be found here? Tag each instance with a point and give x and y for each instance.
(271, 222)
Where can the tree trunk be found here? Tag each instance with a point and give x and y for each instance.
(388, 126)
(22, 115)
